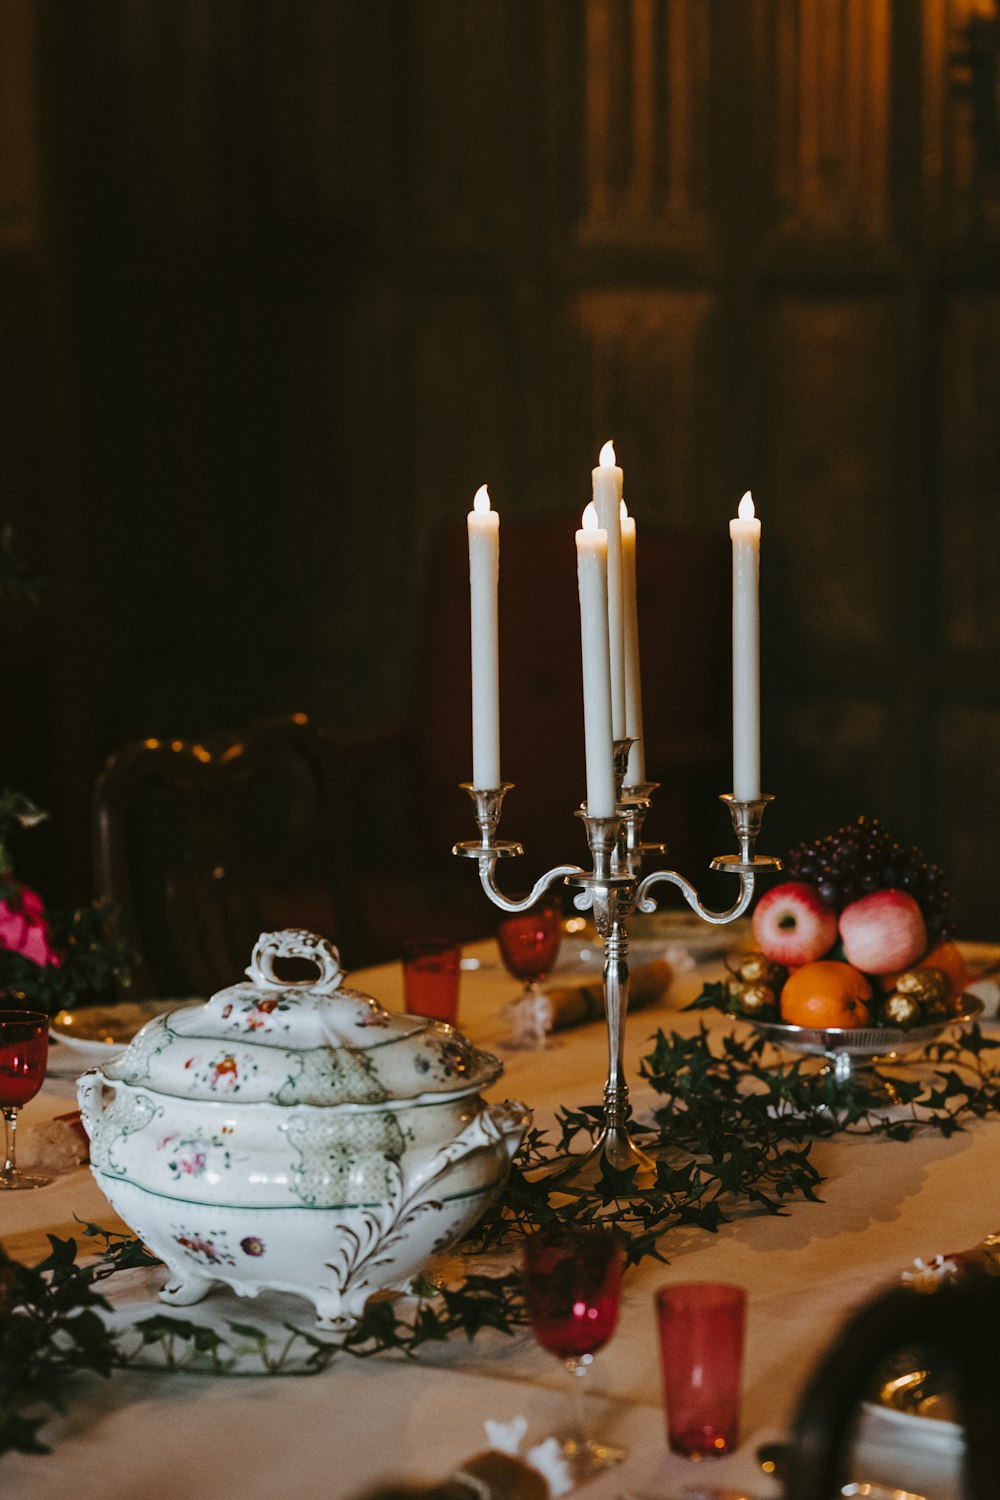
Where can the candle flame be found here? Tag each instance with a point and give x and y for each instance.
(482, 500)
(746, 511)
(589, 522)
(607, 458)
(623, 510)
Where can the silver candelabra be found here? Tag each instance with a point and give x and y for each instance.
(613, 889)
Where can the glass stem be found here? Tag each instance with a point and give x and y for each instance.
(9, 1138)
(578, 1369)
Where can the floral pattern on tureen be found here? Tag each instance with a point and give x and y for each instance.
(297, 1136)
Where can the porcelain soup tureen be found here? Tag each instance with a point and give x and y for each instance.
(297, 1137)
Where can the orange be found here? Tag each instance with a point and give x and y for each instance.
(946, 956)
(826, 993)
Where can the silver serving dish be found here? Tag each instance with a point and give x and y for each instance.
(848, 1048)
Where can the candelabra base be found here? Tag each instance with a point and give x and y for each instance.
(616, 1147)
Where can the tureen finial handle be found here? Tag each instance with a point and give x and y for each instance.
(295, 942)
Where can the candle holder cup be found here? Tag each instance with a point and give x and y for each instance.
(612, 889)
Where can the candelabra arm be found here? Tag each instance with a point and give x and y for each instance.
(747, 816)
(487, 849)
(542, 884)
(647, 903)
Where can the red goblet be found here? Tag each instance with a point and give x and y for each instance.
(24, 1050)
(572, 1289)
(529, 947)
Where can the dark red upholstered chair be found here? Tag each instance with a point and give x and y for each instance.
(684, 640)
(684, 643)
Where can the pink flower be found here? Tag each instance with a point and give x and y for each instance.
(23, 928)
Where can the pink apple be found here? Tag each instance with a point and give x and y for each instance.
(883, 932)
(793, 924)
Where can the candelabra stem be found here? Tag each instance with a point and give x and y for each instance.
(614, 1144)
(609, 892)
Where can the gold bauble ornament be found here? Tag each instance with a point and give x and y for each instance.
(931, 987)
(902, 1009)
(753, 999)
(754, 968)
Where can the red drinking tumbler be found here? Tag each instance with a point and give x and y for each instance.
(431, 971)
(701, 1328)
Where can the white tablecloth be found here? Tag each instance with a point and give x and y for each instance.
(153, 1436)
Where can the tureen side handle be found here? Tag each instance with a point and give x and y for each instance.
(90, 1094)
(495, 1125)
(512, 1119)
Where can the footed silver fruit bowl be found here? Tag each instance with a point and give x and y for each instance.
(847, 1048)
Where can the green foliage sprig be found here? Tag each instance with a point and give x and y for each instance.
(49, 1327)
(93, 964)
(732, 1133)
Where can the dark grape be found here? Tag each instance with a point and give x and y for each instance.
(862, 856)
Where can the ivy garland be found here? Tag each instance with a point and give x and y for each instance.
(733, 1133)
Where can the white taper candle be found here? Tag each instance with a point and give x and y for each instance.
(592, 573)
(484, 573)
(607, 486)
(745, 534)
(636, 773)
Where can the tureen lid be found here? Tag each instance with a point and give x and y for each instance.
(267, 1040)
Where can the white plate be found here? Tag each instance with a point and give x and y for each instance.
(982, 957)
(703, 939)
(906, 1452)
(96, 1033)
(585, 955)
(650, 937)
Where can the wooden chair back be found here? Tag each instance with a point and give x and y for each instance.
(200, 847)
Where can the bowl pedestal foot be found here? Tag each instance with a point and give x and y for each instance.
(186, 1287)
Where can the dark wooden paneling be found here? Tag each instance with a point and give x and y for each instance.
(646, 137)
(18, 136)
(281, 284)
(960, 144)
(969, 795)
(822, 74)
(969, 535)
(644, 365)
(830, 410)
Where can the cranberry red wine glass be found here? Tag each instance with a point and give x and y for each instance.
(529, 947)
(24, 1050)
(572, 1289)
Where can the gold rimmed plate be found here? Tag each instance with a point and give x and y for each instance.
(96, 1033)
